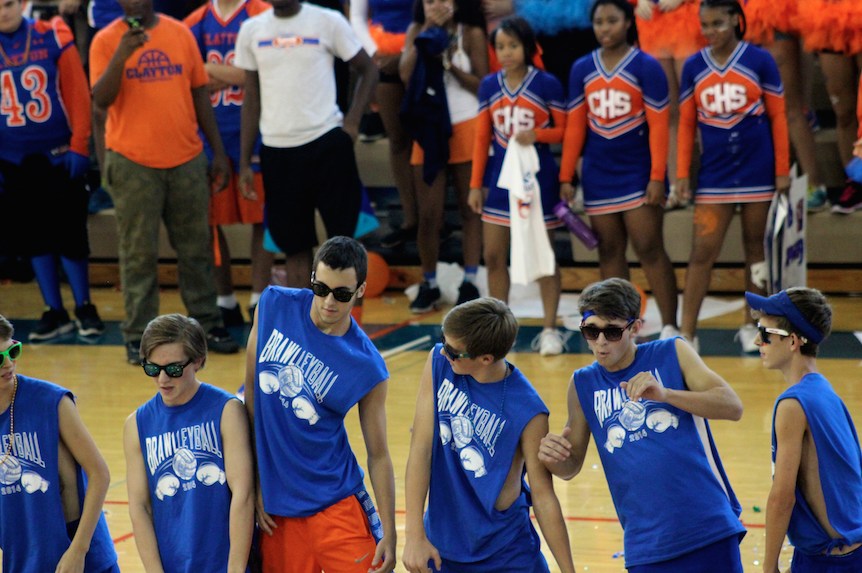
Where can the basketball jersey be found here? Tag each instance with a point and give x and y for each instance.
(216, 38)
(739, 108)
(618, 121)
(839, 462)
(305, 383)
(189, 495)
(394, 16)
(33, 116)
(536, 105)
(477, 430)
(33, 533)
(666, 479)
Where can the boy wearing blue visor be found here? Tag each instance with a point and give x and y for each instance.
(816, 495)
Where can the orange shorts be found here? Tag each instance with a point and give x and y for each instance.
(229, 206)
(460, 144)
(337, 539)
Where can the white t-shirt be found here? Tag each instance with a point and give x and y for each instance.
(294, 58)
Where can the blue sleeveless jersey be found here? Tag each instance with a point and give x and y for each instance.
(394, 16)
(617, 159)
(666, 479)
(183, 455)
(216, 39)
(32, 116)
(477, 430)
(305, 383)
(33, 535)
(839, 460)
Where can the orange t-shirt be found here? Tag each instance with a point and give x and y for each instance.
(153, 122)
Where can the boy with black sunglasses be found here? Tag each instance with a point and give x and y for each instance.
(50, 513)
(308, 364)
(646, 407)
(188, 460)
(816, 495)
(476, 433)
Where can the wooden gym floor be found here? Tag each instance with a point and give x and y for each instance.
(108, 390)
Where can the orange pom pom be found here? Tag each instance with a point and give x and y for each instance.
(643, 300)
(378, 276)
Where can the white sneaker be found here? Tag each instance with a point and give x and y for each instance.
(693, 342)
(746, 336)
(668, 331)
(549, 342)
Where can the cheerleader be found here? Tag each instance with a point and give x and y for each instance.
(526, 104)
(732, 91)
(669, 31)
(833, 29)
(618, 121)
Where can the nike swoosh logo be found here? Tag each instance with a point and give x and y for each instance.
(361, 559)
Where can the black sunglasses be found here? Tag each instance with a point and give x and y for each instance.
(612, 333)
(172, 370)
(341, 294)
(12, 353)
(451, 353)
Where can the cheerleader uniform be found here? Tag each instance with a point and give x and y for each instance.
(672, 35)
(831, 25)
(743, 150)
(625, 146)
(536, 104)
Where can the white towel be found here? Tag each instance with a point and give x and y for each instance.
(531, 254)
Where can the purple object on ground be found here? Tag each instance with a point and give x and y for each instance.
(577, 227)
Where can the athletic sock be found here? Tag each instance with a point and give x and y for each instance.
(78, 272)
(227, 301)
(470, 274)
(45, 268)
(431, 279)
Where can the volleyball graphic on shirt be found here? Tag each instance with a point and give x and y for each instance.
(290, 380)
(462, 431)
(269, 383)
(185, 464)
(472, 460)
(616, 438)
(445, 433)
(209, 474)
(10, 471)
(33, 482)
(304, 410)
(632, 416)
(660, 420)
(167, 486)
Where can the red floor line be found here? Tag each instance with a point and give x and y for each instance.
(116, 503)
(400, 325)
(123, 538)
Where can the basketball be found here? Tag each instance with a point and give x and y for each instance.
(378, 276)
(643, 300)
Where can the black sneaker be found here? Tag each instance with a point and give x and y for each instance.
(88, 321)
(467, 292)
(398, 237)
(220, 341)
(371, 127)
(133, 352)
(427, 300)
(851, 199)
(232, 316)
(53, 323)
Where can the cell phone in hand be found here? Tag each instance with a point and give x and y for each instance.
(134, 21)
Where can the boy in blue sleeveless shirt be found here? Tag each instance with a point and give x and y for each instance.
(647, 408)
(53, 480)
(308, 364)
(188, 460)
(476, 432)
(816, 495)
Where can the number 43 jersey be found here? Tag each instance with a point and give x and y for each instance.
(44, 98)
(215, 34)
